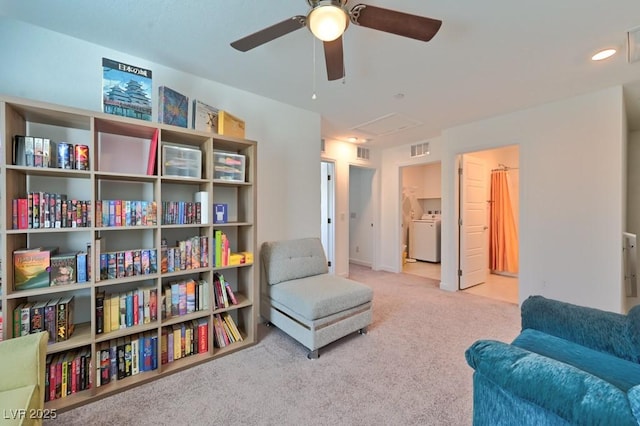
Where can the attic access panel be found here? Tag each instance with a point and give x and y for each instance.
(387, 124)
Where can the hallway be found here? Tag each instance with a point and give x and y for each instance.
(497, 287)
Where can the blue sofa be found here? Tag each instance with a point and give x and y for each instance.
(569, 365)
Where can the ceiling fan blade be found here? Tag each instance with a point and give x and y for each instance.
(391, 21)
(270, 33)
(334, 57)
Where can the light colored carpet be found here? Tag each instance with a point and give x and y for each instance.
(408, 370)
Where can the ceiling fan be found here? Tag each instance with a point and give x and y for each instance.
(328, 20)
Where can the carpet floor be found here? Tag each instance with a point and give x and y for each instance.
(408, 370)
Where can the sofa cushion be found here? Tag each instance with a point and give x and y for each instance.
(619, 372)
(633, 330)
(593, 328)
(574, 395)
(320, 295)
(288, 260)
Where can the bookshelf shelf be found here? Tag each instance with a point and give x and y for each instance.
(116, 171)
(80, 337)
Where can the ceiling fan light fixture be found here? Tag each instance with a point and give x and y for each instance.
(603, 54)
(328, 20)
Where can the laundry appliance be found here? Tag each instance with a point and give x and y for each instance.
(424, 238)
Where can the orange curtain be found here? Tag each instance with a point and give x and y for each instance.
(503, 247)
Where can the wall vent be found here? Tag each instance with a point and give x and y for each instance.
(420, 149)
(322, 147)
(362, 153)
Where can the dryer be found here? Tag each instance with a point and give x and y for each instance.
(424, 241)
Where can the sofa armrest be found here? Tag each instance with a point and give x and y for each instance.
(596, 329)
(22, 362)
(566, 391)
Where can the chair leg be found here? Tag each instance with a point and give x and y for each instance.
(363, 330)
(313, 354)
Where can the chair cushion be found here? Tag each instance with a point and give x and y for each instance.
(22, 398)
(320, 295)
(291, 259)
(619, 372)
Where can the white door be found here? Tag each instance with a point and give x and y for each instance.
(473, 225)
(327, 191)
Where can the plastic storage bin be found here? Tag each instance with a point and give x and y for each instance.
(181, 161)
(228, 167)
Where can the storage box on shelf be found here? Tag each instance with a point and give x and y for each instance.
(228, 167)
(135, 227)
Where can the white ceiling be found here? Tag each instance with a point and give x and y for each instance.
(489, 57)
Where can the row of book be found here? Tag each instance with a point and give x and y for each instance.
(67, 373)
(43, 267)
(184, 339)
(125, 309)
(128, 263)
(192, 253)
(222, 251)
(185, 297)
(223, 293)
(42, 210)
(33, 151)
(110, 213)
(54, 316)
(225, 330)
(126, 356)
(181, 212)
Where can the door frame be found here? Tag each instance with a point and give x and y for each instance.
(328, 211)
(426, 160)
(456, 187)
(375, 203)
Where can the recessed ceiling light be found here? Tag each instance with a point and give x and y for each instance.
(352, 139)
(603, 54)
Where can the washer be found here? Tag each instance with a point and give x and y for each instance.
(425, 238)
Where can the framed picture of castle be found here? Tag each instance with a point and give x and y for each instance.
(126, 90)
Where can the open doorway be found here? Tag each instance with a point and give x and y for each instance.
(361, 215)
(421, 207)
(488, 212)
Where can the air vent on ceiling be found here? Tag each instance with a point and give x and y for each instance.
(420, 149)
(362, 153)
(633, 45)
(388, 124)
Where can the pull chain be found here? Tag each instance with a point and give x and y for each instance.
(313, 96)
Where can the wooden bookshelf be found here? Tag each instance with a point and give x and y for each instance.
(118, 158)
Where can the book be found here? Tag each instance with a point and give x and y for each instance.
(173, 107)
(230, 293)
(126, 90)
(37, 317)
(65, 318)
(31, 267)
(100, 312)
(153, 150)
(82, 270)
(63, 269)
(230, 125)
(205, 117)
(51, 319)
(202, 197)
(25, 319)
